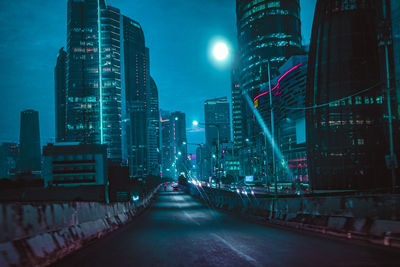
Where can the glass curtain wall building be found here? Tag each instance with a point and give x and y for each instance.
(268, 31)
(153, 130)
(347, 131)
(136, 79)
(93, 75)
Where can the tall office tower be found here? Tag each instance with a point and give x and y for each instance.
(217, 120)
(93, 75)
(60, 94)
(347, 131)
(267, 31)
(29, 139)
(217, 130)
(268, 34)
(237, 114)
(153, 130)
(166, 151)
(178, 143)
(137, 85)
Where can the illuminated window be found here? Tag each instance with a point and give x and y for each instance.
(273, 4)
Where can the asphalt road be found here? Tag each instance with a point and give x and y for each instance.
(178, 230)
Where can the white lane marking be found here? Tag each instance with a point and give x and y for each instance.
(238, 252)
(186, 214)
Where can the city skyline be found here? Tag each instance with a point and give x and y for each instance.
(16, 91)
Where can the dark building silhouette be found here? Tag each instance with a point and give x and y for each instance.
(60, 94)
(153, 130)
(29, 139)
(347, 132)
(93, 101)
(137, 85)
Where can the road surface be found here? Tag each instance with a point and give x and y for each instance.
(178, 230)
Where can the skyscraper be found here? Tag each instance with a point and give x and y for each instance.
(267, 31)
(137, 86)
(268, 34)
(237, 114)
(93, 113)
(217, 130)
(60, 94)
(179, 142)
(153, 130)
(217, 120)
(347, 131)
(29, 139)
(166, 143)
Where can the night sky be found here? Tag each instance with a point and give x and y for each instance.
(179, 34)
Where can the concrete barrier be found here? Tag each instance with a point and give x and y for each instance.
(374, 217)
(38, 234)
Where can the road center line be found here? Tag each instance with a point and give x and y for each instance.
(238, 252)
(184, 211)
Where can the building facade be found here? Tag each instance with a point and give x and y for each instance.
(29, 139)
(347, 131)
(166, 157)
(74, 164)
(217, 121)
(237, 113)
(153, 130)
(93, 101)
(137, 86)
(179, 143)
(9, 154)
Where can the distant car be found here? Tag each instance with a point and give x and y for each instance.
(175, 187)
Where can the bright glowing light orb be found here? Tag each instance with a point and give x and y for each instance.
(195, 123)
(220, 51)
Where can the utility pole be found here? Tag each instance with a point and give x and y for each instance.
(272, 131)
